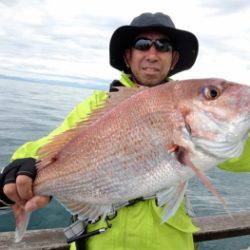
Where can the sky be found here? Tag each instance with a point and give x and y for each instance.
(67, 41)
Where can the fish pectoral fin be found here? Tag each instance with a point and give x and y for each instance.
(171, 199)
(205, 180)
(179, 151)
(171, 148)
(182, 155)
(86, 211)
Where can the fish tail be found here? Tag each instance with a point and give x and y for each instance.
(22, 219)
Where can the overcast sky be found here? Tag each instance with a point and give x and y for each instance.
(68, 40)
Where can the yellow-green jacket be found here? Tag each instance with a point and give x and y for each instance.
(138, 226)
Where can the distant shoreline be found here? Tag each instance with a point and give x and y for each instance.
(87, 84)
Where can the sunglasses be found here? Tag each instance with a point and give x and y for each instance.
(144, 44)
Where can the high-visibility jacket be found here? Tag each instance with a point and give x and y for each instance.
(138, 226)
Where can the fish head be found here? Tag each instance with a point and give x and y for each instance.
(216, 115)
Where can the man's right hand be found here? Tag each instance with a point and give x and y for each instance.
(16, 181)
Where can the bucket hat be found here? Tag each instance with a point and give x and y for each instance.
(183, 41)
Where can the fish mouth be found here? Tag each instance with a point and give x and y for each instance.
(229, 142)
(246, 128)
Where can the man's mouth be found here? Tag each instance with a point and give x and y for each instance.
(150, 70)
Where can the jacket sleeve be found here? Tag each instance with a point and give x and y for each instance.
(80, 112)
(240, 164)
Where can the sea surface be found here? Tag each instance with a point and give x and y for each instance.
(29, 111)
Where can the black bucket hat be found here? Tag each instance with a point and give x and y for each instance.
(184, 42)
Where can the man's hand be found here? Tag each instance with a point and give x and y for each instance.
(16, 181)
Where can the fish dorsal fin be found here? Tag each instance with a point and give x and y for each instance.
(49, 152)
(123, 93)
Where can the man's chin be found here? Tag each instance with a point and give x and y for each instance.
(150, 82)
(149, 79)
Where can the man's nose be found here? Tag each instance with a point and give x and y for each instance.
(152, 54)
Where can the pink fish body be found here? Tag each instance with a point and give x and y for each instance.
(143, 142)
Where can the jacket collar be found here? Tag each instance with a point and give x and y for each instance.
(127, 82)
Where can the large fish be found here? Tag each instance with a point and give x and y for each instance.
(141, 142)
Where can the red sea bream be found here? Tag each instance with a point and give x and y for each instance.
(141, 142)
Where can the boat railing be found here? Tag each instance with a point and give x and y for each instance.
(211, 228)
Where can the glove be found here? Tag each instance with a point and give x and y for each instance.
(24, 166)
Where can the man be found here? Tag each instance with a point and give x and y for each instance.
(148, 51)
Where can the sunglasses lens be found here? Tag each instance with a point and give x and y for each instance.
(163, 45)
(142, 44)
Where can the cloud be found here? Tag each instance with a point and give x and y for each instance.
(8, 2)
(71, 39)
(225, 6)
(227, 44)
(42, 44)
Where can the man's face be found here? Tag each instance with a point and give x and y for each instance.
(150, 67)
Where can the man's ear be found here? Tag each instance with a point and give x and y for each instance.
(127, 57)
(175, 59)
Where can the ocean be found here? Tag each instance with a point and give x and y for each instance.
(29, 111)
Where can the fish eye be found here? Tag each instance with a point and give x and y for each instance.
(211, 92)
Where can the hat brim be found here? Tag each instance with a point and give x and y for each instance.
(184, 42)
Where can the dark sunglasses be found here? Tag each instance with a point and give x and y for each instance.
(144, 44)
